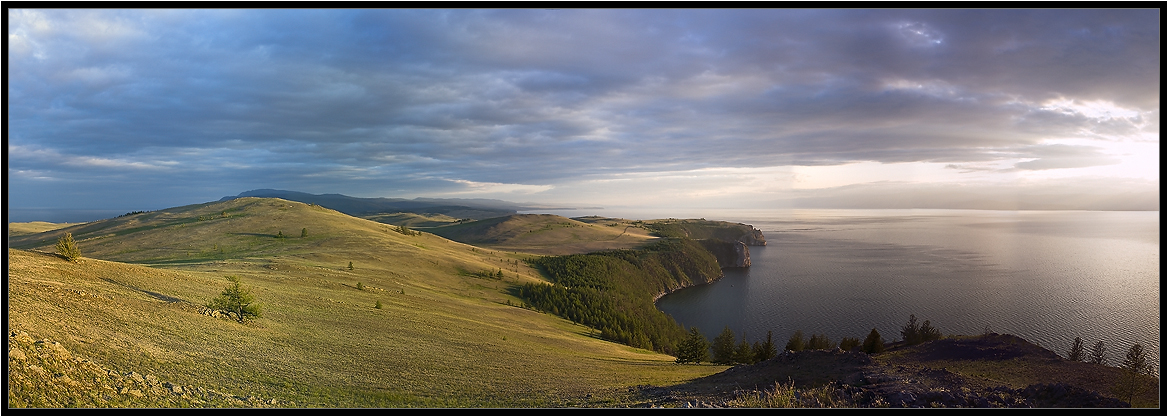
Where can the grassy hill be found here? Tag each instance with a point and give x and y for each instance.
(444, 335)
(546, 234)
(413, 220)
(28, 228)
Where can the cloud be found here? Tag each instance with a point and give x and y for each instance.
(425, 102)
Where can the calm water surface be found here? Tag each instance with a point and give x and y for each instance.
(1047, 276)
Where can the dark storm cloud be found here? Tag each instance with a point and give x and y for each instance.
(386, 102)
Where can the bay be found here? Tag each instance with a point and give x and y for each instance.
(1046, 276)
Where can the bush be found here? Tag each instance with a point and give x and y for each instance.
(68, 247)
(236, 300)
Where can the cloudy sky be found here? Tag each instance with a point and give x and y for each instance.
(147, 109)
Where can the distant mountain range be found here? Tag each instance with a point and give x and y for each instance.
(472, 208)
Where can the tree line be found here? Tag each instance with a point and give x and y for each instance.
(724, 351)
(613, 291)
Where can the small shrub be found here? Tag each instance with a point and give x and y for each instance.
(377, 305)
(280, 234)
(68, 247)
(304, 232)
(360, 286)
(350, 265)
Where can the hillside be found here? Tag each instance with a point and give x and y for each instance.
(358, 206)
(413, 220)
(28, 228)
(546, 234)
(444, 335)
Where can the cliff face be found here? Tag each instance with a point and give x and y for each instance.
(753, 238)
(729, 254)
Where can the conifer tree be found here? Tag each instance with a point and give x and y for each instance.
(723, 347)
(1098, 352)
(236, 300)
(694, 348)
(1076, 352)
(766, 350)
(795, 343)
(1131, 380)
(68, 247)
(873, 343)
(911, 331)
(817, 342)
(304, 232)
(849, 343)
(928, 333)
(743, 353)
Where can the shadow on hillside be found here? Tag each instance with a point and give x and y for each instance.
(156, 295)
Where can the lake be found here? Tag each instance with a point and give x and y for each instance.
(1047, 276)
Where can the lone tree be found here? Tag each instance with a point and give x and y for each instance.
(873, 343)
(694, 348)
(1076, 352)
(723, 347)
(1131, 381)
(304, 232)
(236, 300)
(1098, 353)
(68, 247)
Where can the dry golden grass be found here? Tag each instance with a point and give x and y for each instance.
(547, 234)
(28, 228)
(441, 338)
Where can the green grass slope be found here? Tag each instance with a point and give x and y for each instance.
(545, 234)
(444, 336)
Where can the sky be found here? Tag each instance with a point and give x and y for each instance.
(985, 109)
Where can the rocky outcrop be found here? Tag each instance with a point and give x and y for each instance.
(753, 238)
(728, 254)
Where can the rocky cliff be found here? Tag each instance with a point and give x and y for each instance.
(729, 254)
